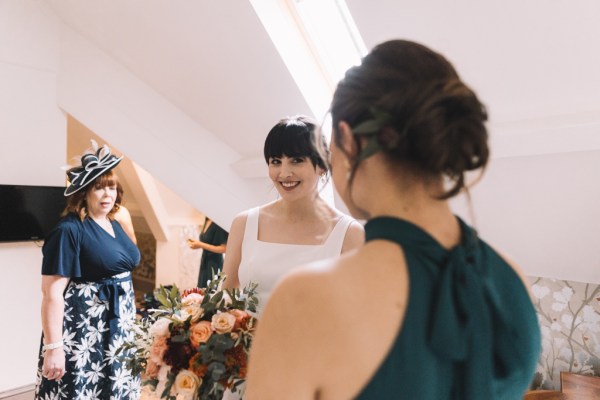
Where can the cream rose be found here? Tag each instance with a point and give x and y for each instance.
(223, 322)
(161, 327)
(200, 333)
(186, 384)
(192, 298)
(193, 310)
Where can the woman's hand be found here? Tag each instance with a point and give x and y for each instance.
(194, 244)
(54, 364)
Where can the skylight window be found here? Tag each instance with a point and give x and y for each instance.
(317, 40)
(333, 33)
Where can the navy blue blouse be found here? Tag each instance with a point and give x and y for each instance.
(82, 249)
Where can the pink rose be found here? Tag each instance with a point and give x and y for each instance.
(200, 333)
(223, 322)
(158, 348)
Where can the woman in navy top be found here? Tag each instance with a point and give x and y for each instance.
(88, 304)
(425, 309)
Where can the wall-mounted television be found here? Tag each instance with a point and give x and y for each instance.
(29, 212)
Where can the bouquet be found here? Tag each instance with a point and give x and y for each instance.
(196, 344)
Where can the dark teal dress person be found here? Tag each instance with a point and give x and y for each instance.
(211, 262)
(470, 330)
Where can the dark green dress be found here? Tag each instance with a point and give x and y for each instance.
(211, 262)
(470, 330)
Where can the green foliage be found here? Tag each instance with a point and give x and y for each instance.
(219, 357)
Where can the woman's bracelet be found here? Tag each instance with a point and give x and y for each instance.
(51, 346)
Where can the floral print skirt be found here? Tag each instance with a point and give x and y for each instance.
(92, 336)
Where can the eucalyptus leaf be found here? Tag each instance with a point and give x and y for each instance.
(163, 300)
(370, 148)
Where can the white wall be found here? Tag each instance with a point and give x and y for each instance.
(32, 150)
(543, 212)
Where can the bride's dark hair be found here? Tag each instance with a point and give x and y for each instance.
(297, 136)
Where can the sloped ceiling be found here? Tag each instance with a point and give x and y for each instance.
(211, 59)
(529, 61)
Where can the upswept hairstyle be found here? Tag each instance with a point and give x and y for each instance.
(297, 136)
(76, 203)
(411, 105)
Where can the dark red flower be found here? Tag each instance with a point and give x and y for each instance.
(178, 355)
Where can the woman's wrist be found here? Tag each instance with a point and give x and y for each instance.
(52, 346)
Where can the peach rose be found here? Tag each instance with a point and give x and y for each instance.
(186, 384)
(157, 350)
(200, 333)
(223, 322)
(152, 369)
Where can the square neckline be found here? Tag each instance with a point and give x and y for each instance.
(339, 220)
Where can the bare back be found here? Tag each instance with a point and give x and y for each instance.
(338, 299)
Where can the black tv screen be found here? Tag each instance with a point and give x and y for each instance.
(29, 212)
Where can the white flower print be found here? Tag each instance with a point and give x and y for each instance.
(120, 376)
(94, 333)
(69, 338)
(96, 307)
(83, 321)
(86, 289)
(111, 355)
(92, 394)
(94, 372)
(82, 353)
(68, 315)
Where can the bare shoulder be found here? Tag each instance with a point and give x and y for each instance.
(355, 236)
(312, 286)
(239, 221)
(290, 327)
(301, 282)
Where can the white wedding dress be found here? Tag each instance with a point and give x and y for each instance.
(265, 263)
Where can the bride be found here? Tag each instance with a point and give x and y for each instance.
(266, 242)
